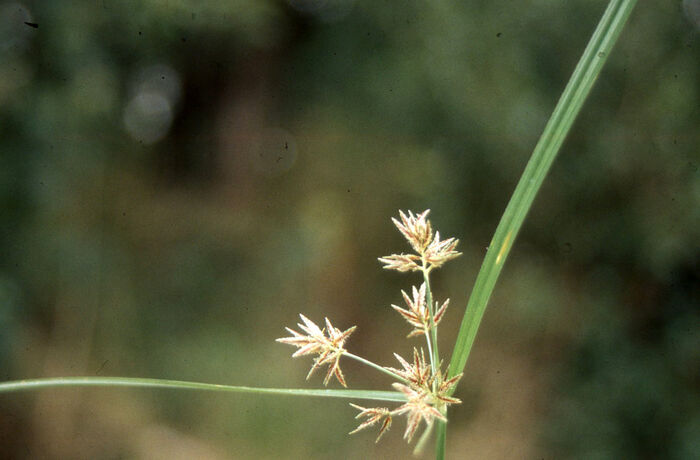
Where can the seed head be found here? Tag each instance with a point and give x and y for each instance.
(401, 262)
(416, 229)
(416, 409)
(417, 314)
(418, 373)
(329, 348)
(374, 415)
(444, 388)
(431, 252)
(439, 252)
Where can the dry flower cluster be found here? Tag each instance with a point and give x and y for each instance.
(423, 384)
(329, 349)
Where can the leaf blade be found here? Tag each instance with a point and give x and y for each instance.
(569, 105)
(34, 384)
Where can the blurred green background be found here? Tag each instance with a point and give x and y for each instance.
(179, 179)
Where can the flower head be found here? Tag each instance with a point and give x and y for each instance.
(401, 262)
(329, 348)
(431, 252)
(426, 396)
(416, 229)
(439, 252)
(418, 373)
(417, 408)
(374, 415)
(417, 314)
(445, 387)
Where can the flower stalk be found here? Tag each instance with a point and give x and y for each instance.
(435, 355)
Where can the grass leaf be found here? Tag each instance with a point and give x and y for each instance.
(24, 385)
(577, 90)
(558, 126)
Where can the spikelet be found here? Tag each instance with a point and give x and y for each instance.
(431, 252)
(329, 349)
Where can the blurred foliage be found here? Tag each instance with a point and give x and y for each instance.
(179, 178)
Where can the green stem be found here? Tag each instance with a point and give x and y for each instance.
(426, 332)
(420, 445)
(376, 366)
(435, 356)
(34, 384)
(558, 126)
(440, 440)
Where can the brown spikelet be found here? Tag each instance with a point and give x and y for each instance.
(418, 373)
(416, 408)
(416, 229)
(439, 252)
(328, 343)
(401, 262)
(374, 415)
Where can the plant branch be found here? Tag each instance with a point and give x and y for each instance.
(376, 366)
(434, 355)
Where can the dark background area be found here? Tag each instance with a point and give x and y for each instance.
(179, 179)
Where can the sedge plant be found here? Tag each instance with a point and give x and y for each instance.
(423, 388)
(422, 383)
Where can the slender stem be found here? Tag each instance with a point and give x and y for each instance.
(430, 348)
(420, 445)
(435, 355)
(440, 440)
(34, 384)
(376, 366)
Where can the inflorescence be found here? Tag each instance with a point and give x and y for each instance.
(425, 387)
